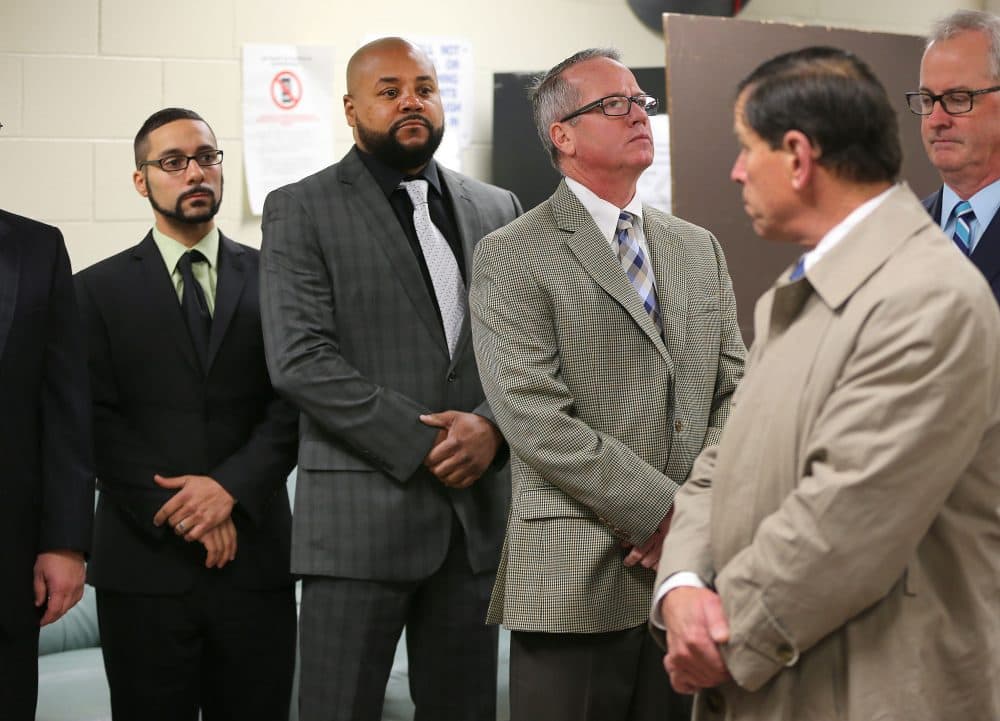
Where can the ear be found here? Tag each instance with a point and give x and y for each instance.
(349, 112)
(139, 181)
(561, 135)
(803, 158)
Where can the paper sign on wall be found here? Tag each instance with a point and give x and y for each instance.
(287, 115)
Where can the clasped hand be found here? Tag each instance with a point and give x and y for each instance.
(200, 510)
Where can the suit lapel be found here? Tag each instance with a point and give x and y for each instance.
(986, 256)
(160, 297)
(594, 253)
(671, 283)
(10, 271)
(470, 231)
(367, 201)
(228, 290)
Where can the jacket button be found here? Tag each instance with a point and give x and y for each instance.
(452, 376)
(714, 701)
(678, 426)
(786, 654)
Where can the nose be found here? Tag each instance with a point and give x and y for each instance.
(938, 117)
(738, 173)
(410, 102)
(194, 173)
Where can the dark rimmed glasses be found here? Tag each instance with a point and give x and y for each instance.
(177, 163)
(954, 102)
(617, 105)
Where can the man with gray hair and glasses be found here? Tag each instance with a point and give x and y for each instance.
(959, 108)
(608, 347)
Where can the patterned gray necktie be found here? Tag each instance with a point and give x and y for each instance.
(441, 263)
(637, 268)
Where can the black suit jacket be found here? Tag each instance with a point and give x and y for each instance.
(47, 483)
(986, 255)
(156, 411)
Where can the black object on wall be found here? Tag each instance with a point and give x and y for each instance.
(650, 12)
(520, 164)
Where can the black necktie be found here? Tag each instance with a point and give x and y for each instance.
(195, 306)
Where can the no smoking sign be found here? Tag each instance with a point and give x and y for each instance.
(286, 90)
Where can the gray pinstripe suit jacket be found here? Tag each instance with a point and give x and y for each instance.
(604, 419)
(353, 338)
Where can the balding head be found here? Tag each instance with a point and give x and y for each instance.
(360, 64)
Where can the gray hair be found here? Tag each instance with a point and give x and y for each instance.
(962, 21)
(553, 98)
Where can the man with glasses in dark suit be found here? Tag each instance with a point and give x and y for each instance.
(959, 107)
(195, 601)
(402, 492)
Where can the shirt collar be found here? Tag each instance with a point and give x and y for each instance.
(172, 250)
(838, 232)
(984, 203)
(605, 214)
(388, 178)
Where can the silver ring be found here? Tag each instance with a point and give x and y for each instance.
(180, 525)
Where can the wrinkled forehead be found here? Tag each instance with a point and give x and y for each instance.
(598, 77)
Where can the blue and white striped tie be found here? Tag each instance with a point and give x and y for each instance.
(637, 268)
(964, 217)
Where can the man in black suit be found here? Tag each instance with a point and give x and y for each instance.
(959, 107)
(47, 485)
(192, 451)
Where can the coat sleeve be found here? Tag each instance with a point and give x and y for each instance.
(67, 463)
(877, 472)
(732, 352)
(125, 462)
(378, 424)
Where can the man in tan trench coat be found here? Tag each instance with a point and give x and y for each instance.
(845, 529)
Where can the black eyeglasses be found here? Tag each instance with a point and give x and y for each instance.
(617, 105)
(177, 163)
(954, 102)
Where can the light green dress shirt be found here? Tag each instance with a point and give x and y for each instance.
(207, 274)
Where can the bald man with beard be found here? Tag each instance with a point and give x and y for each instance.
(403, 488)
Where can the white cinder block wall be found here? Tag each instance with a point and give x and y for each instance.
(78, 77)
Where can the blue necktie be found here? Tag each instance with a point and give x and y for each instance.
(799, 270)
(964, 215)
(637, 268)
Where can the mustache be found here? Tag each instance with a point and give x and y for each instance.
(196, 191)
(413, 116)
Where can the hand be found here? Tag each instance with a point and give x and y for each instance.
(648, 554)
(696, 625)
(58, 580)
(220, 544)
(463, 449)
(199, 505)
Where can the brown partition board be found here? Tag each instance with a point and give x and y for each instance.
(705, 59)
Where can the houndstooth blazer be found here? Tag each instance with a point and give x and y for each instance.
(603, 417)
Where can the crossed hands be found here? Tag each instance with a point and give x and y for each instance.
(696, 626)
(463, 449)
(648, 554)
(201, 510)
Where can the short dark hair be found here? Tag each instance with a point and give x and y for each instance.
(832, 97)
(140, 146)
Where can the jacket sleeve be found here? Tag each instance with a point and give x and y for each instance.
(378, 424)
(67, 463)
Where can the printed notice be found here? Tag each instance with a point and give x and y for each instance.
(287, 115)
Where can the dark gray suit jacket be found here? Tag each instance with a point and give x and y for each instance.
(986, 255)
(353, 338)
